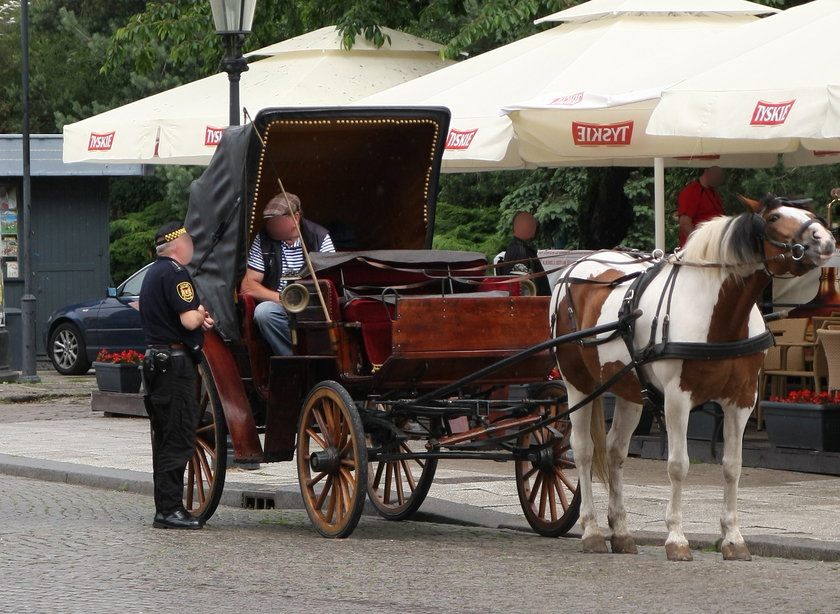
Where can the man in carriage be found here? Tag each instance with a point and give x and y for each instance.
(275, 257)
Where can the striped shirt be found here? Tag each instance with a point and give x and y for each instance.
(293, 260)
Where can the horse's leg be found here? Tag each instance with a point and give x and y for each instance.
(732, 545)
(625, 419)
(584, 450)
(677, 408)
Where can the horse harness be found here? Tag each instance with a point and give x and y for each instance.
(652, 397)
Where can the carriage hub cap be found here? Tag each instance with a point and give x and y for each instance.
(326, 461)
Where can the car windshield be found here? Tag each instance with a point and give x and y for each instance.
(131, 286)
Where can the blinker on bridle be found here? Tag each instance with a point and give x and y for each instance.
(797, 250)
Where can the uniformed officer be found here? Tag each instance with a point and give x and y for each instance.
(173, 323)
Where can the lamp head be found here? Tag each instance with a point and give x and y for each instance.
(233, 16)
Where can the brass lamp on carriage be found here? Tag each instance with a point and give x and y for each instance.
(295, 298)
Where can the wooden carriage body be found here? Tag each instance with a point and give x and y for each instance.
(387, 318)
(397, 315)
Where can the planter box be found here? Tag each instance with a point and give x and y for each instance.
(801, 425)
(112, 377)
(645, 421)
(704, 421)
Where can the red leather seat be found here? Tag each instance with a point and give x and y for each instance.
(375, 316)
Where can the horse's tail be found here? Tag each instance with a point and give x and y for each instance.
(598, 431)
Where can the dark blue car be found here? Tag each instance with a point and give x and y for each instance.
(75, 334)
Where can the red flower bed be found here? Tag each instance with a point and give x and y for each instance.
(809, 397)
(124, 357)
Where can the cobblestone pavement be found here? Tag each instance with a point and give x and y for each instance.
(75, 549)
(48, 431)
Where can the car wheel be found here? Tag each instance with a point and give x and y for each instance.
(67, 350)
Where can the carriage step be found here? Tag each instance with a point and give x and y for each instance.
(258, 500)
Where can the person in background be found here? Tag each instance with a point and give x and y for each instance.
(519, 248)
(173, 322)
(699, 202)
(275, 256)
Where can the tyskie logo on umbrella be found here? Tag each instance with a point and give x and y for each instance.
(771, 113)
(460, 139)
(587, 135)
(212, 136)
(101, 142)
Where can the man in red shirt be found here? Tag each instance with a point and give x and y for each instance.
(699, 202)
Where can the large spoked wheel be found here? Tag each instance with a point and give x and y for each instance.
(397, 488)
(549, 495)
(332, 460)
(205, 477)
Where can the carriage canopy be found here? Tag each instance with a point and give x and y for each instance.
(367, 174)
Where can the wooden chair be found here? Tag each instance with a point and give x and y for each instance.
(830, 342)
(786, 360)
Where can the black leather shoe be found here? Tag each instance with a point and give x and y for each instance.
(179, 519)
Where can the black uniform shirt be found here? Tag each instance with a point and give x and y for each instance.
(518, 249)
(166, 293)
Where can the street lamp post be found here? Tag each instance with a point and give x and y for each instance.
(233, 20)
(27, 301)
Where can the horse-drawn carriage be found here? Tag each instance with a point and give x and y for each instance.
(403, 355)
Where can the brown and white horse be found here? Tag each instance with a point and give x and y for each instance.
(709, 300)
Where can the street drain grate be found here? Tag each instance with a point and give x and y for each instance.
(258, 501)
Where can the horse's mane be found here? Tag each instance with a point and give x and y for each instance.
(727, 241)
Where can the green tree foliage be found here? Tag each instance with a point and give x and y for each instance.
(62, 34)
(122, 51)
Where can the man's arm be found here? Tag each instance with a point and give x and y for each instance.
(252, 284)
(194, 318)
(686, 225)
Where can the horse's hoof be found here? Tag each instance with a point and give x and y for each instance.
(735, 552)
(594, 543)
(623, 544)
(678, 552)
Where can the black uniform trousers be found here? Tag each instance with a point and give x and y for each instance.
(173, 411)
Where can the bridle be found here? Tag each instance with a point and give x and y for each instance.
(797, 250)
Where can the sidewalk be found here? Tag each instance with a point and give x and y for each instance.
(48, 432)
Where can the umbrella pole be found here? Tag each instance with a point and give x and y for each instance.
(659, 202)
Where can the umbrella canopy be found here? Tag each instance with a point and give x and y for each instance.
(598, 106)
(778, 86)
(610, 8)
(610, 53)
(183, 125)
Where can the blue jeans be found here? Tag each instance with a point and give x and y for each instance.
(273, 322)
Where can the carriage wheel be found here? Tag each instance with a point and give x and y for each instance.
(398, 488)
(332, 460)
(205, 477)
(548, 494)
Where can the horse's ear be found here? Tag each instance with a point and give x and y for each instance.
(749, 203)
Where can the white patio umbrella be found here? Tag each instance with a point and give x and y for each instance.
(780, 86)
(183, 125)
(610, 54)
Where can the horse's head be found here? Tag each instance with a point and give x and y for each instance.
(795, 240)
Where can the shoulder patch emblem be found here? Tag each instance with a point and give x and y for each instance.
(186, 292)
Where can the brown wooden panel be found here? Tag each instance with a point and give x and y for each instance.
(461, 323)
(442, 369)
(290, 380)
(240, 420)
